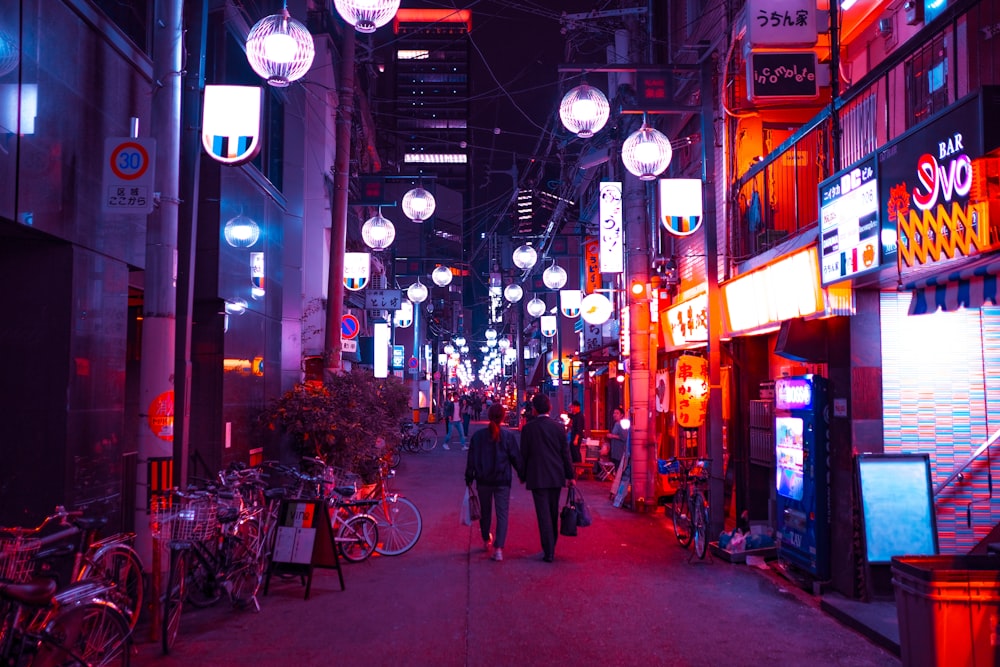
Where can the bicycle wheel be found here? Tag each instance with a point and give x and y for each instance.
(700, 521)
(428, 438)
(395, 458)
(357, 537)
(90, 633)
(174, 595)
(399, 525)
(246, 571)
(119, 564)
(679, 516)
(203, 587)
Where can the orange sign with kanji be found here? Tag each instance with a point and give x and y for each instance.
(161, 416)
(691, 390)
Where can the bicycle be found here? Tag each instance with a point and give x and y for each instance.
(112, 559)
(416, 438)
(399, 520)
(689, 510)
(78, 625)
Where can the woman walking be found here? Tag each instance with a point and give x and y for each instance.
(493, 452)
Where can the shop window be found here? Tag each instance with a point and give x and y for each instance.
(927, 72)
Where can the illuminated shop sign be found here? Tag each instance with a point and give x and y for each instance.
(231, 123)
(793, 393)
(691, 390)
(924, 184)
(784, 290)
(687, 321)
(612, 241)
(849, 224)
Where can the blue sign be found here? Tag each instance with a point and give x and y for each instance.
(397, 357)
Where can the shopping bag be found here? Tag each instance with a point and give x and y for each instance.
(463, 513)
(568, 517)
(474, 511)
(583, 518)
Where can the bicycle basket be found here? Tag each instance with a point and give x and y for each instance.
(16, 555)
(701, 470)
(186, 520)
(671, 468)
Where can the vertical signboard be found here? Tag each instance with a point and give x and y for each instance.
(849, 223)
(612, 240)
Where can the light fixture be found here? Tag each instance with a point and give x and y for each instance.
(513, 292)
(491, 334)
(367, 15)
(280, 49)
(418, 204)
(535, 307)
(504, 343)
(595, 308)
(441, 275)
(646, 153)
(460, 340)
(525, 257)
(378, 232)
(236, 306)
(449, 348)
(9, 56)
(241, 232)
(417, 292)
(554, 277)
(584, 110)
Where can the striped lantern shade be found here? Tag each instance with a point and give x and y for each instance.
(280, 49)
(367, 15)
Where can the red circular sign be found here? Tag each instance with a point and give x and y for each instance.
(129, 161)
(349, 326)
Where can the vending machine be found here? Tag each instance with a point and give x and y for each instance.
(801, 428)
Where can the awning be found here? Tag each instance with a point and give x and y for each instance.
(969, 287)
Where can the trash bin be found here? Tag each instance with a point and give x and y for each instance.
(948, 609)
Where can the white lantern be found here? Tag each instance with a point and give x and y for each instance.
(513, 292)
(491, 334)
(241, 232)
(554, 277)
(525, 257)
(280, 49)
(378, 232)
(595, 308)
(418, 204)
(441, 275)
(367, 15)
(584, 110)
(449, 348)
(646, 153)
(417, 292)
(504, 343)
(535, 307)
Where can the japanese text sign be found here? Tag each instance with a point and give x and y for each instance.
(781, 22)
(691, 390)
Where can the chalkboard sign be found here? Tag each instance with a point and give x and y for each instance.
(789, 75)
(303, 540)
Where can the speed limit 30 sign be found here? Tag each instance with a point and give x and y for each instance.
(127, 186)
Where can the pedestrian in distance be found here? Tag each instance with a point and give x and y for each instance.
(546, 468)
(453, 410)
(467, 413)
(576, 428)
(616, 437)
(493, 454)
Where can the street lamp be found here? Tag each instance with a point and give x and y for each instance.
(525, 257)
(441, 275)
(418, 204)
(535, 307)
(646, 153)
(554, 277)
(584, 110)
(417, 292)
(280, 49)
(367, 15)
(513, 292)
(241, 232)
(378, 232)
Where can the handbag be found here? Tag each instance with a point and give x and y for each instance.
(474, 509)
(568, 517)
(583, 518)
(463, 512)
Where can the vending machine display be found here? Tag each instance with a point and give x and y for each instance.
(801, 430)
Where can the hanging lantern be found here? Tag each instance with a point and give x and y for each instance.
(525, 257)
(449, 348)
(367, 15)
(241, 232)
(417, 292)
(418, 204)
(441, 275)
(460, 340)
(595, 308)
(548, 325)
(9, 53)
(584, 110)
(513, 292)
(280, 49)
(646, 153)
(554, 277)
(535, 307)
(378, 232)
(491, 334)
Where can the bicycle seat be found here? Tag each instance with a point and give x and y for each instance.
(37, 593)
(90, 522)
(276, 492)
(228, 514)
(344, 490)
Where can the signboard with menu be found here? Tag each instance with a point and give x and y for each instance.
(849, 223)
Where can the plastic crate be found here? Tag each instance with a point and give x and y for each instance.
(948, 609)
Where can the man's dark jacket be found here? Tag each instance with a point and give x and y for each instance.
(545, 452)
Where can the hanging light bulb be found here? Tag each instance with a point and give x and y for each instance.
(584, 110)
(491, 334)
(646, 153)
(378, 232)
(554, 277)
(441, 275)
(525, 257)
(417, 292)
(513, 292)
(280, 49)
(367, 15)
(241, 232)
(535, 307)
(418, 204)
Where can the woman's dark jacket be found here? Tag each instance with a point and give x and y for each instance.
(490, 462)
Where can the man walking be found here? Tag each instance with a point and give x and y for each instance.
(547, 467)
(576, 428)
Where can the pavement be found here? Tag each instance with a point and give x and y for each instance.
(623, 592)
